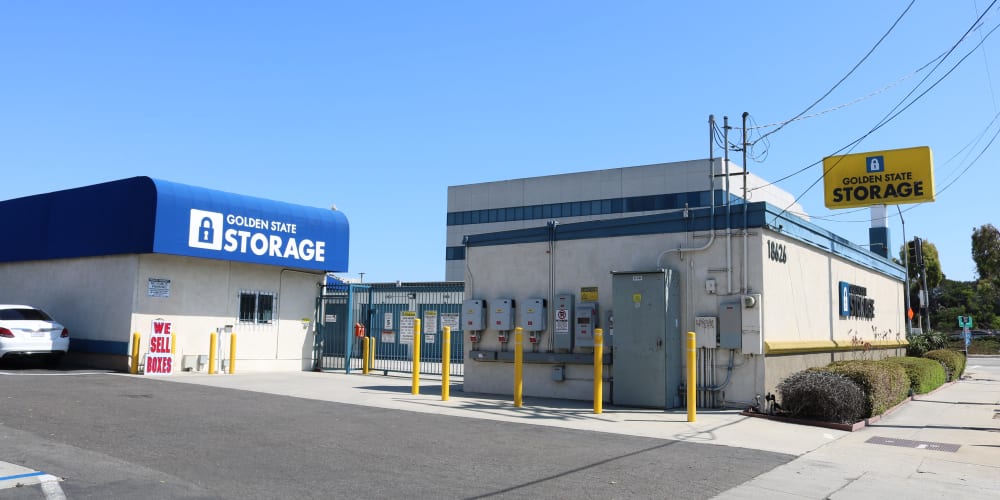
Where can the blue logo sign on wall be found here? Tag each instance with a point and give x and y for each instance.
(845, 299)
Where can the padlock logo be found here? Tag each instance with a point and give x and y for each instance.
(875, 164)
(205, 230)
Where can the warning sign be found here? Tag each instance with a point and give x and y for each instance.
(406, 324)
(561, 321)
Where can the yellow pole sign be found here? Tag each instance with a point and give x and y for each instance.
(890, 177)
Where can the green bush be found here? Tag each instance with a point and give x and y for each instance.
(921, 343)
(925, 374)
(884, 384)
(953, 361)
(823, 396)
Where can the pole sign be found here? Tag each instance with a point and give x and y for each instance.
(159, 359)
(890, 177)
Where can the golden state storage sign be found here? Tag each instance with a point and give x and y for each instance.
(889, 177)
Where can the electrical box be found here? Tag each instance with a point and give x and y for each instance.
(753, 341)
(558, 373)
(731, 325)
(502, 314)
(562, 322)
(533, 312)
(474, 314)
(705, 332)
(586, 321)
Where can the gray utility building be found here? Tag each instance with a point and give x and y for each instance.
(647, 254)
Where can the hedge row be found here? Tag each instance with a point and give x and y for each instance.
(847, 391)
(952, 361)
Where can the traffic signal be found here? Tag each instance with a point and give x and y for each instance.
(914, 253)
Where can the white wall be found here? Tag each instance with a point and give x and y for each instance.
(205, 296)
(521, 271)
(92, 297)
(798, 297)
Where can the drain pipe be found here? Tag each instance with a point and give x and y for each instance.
(711, 190)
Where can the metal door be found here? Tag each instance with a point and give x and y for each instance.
(647, 355)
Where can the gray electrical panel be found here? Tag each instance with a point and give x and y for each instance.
(473, 314)
(562, 322)
(731, 325)
(533, 314)
(586, 321)
(502, 314)
(648, 342)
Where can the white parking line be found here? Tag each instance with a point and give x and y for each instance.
(51, 488)
(19, 374)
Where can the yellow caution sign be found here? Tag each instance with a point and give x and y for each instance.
(890, 177)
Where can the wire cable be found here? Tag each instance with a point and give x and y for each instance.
(896, 110)
(849, 73)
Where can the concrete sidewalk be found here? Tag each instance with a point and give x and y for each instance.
(947, 442)
(941, 445)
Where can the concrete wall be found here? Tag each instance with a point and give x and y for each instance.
(92, 297)
(105, 299)
(205, 296)
(661, 178)
(521, 271)
(799, 302)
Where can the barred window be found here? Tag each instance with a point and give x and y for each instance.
(257, 307)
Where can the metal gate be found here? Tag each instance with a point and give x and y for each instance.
(379, 307)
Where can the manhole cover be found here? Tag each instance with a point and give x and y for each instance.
(922, 445)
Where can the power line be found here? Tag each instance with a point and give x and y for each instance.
(849, 73)
(896, 110)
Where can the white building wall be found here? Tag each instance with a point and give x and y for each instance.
(521, 271)
(205, 296)
(662, 178)
(107, 299)
(798, 300)
(92, 297)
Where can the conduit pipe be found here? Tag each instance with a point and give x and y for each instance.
(711, 191)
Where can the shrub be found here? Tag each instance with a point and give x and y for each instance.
(925, 374)
(884, 384)
(921, 343)
(952, 360)
(822, 395)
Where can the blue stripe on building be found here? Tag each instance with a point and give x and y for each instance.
(758, 215)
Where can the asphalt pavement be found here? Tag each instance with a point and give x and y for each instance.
(354, 430)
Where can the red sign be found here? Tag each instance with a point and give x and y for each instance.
(160, 359)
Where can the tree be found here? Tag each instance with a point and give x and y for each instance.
(932, 266)
(986, 251)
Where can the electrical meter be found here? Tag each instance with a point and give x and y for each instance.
(533, 312)
(473, 314)
(502, 314)
(586, 321)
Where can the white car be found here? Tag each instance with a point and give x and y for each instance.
(28, 331)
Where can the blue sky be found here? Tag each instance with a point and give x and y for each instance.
(377, 107)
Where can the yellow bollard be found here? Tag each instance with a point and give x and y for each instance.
(445, 363)
(416, 357)
(598, 370)
(692, 385)
(232, 353)
(364, 356)
(136, 340)
(518, 366)
(212, 340)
